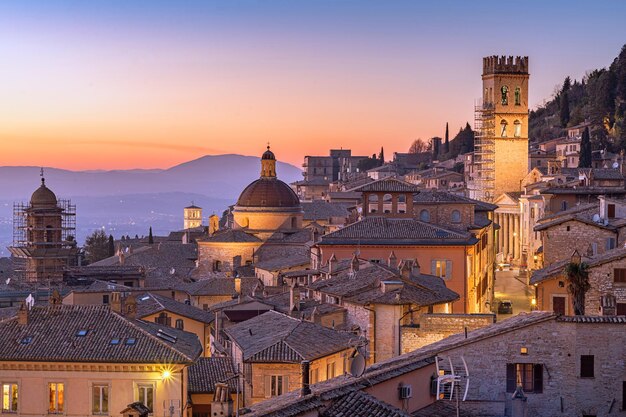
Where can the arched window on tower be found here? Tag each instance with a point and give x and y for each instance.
(425, 215)
(387, 203)
(49, 234)
(372, 203)
(503, 125)
(517, 129)
(402, 203)
(504, 91)
(518, 98)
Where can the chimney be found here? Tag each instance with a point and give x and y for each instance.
(415, 268)
(392, 262)
(222, 404)
(238, 285)
(121, 255)
(116, 302)
(406, 268)
(22, 315)
(354, 264)
(332, 264)
(130, 307)
(306, 389)
(294, 297)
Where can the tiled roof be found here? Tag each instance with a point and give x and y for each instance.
(323, 210)
(443, 408)
(584, 190)
(361, 404)
(392, 185)
(276, 337)
(206, 372)
(556, 269)
(275, 264)
(593, 319)
(231, 236)
(148, 304)
(439, 197)
(583, 213)
(220, 286)
(382, 230)
(53, 332)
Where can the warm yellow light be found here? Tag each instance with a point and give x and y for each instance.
(442, 372)
(533, 302)
(524, 351)
(166, 374)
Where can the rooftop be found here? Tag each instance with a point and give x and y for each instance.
(206, 372)
(148, 304)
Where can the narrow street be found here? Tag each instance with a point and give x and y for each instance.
(511, 287)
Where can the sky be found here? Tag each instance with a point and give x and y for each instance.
(150, 84)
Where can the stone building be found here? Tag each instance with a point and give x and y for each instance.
(44, 238)
(192, 217)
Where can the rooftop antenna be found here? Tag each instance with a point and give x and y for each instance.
(452, 380)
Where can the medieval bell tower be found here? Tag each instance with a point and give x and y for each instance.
(501, 146)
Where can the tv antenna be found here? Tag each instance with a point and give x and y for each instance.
(452, 380)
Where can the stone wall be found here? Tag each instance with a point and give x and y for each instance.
(434, 327)
(559, 243)
(602, 283)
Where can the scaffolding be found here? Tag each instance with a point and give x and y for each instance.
(43, 249)
(483, 184)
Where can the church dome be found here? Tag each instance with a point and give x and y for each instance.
(43, 196)
(268, 154)
(268, 193)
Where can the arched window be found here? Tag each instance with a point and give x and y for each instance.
(373, 199)
(504, 92)
(425, 215)
(503, 125)
(517, 129)
(217, 266)
(456, 216)
(518, 99)
(388, 203)
(180, 324)
(49, 234)
(402, 198)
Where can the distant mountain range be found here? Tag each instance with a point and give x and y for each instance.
(128, 202)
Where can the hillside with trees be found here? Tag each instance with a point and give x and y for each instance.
(599, 99)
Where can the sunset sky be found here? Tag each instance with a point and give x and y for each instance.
(120, 84)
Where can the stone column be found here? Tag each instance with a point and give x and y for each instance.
(505, 235)
(518, 237)
(511, 229)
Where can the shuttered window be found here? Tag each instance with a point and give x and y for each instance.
(586, 366)
(527, 375)
(441, 268)
(619, 275)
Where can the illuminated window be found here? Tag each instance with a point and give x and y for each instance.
(440, 268)
(517, 129)
(9, 398)
(330, 370)
(56, 397)
(527, 375)
(100, 399)
(145, 395)
(180, 324)
(503, 125)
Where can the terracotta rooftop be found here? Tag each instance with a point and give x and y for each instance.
(276, 337)
(391, 185)
(220, 286)
(206, 372)
(231, 236)
(441, 197)
(148, 304)
(361, 404)
(323, 210)
(68, 333)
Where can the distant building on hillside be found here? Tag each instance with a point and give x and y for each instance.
(192, 217)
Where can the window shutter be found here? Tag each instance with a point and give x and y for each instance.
(433, 267)
(285, 384)
(448, 269)
(510, 377)
(538, 375)
(267, 386)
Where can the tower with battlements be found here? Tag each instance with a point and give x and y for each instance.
(501, 124)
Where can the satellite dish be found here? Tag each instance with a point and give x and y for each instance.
(357, 366)
(615, 165)
(596, 218)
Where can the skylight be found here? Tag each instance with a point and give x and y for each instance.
(115, 341)
(145, 297)
(166, 336)
(131, 341)
(82, 333)
(26, 340)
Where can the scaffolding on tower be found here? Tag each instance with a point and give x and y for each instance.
(483, 185)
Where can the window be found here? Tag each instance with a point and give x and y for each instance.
(503, 125)
(594, 248)
(518, 94)
(330, 370)
(504, 92)
(621, 309)
(276, 385)
(586, 366)
(145, 395)
(105, 299)
(563, 205)
(527, 375)
(56, 397)
(441, 268)
(456, 216)
(517, 129)
(314, 376)
(619, 275)
(372, 199)
(100, 399)
(9, 398)
(425, 216)
(610, 243)
(180, 324)
(567, 228)
(163, 319)
(611, 211)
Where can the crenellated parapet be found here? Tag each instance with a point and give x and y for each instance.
(505, 65)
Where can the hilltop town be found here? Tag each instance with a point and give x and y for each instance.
(479, 276)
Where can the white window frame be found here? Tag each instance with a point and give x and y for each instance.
(108, 389)
(139, 385)
(10, 384)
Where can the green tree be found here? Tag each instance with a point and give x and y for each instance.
(577, 277)
(584, 161)
(381, 156)
(368, 163)
(96, 246)
(150, 237)
(446, 144)
(111, 246)
(564, 109)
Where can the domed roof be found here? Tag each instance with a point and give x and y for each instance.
(268, 193)
(43, 196)
(268, 154)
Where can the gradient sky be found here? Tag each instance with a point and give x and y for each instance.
(120, 84)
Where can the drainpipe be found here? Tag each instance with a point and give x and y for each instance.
(373, 335)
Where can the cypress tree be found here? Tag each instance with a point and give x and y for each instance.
(150, 238)
(446, 144)
(564, 106)
(111, 246)
(381, 156)
(584, 161)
